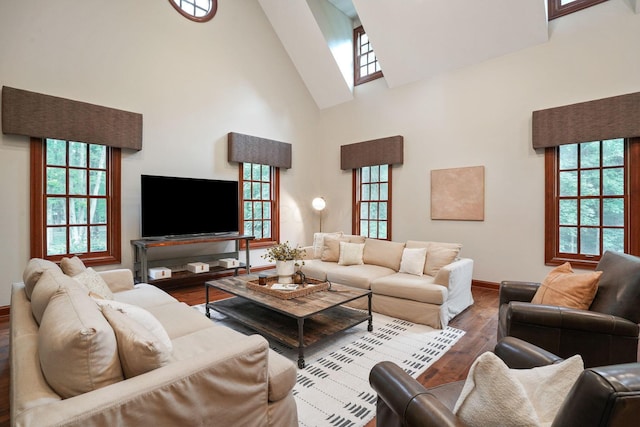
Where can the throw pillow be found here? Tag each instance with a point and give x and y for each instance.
(318, 242)
(32, 272)
(72, 266)
(493, 394)
(439, 255)
(413, 261)
(139, 350)
(331, 248)
(563, 287)
(141, 316)
(351, 253)
(76, 345)
(47, 286)
(91, 280)
(383, 253)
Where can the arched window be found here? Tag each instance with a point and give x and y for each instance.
(196, 10)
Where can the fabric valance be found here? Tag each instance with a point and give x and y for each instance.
(382, 151)
(43, 116)
(252, 149)
(615, 117)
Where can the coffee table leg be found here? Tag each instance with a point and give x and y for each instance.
(301, 343)
(206, 304)
(370, 326)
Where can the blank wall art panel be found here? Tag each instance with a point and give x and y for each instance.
(458, 194)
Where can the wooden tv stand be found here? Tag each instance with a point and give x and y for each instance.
(180, 276)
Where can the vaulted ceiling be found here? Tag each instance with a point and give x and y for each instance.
(413, 39)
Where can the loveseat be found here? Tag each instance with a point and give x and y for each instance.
(422, 282)
(90, 348)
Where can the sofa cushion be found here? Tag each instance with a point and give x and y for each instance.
(318, 242)
(91, 280)
(179, 319)
(410, 287)
(383, 253)
(413, 261)
(331, 248)
(358, 276)
(145, 296)
(140, 316)
(317, 269)
(493, 394)
(77, 346)
(139, 350)
(49, 283)
(439, 255)
(351, 253)
(32, 272)
(72, 266)
(563, 287)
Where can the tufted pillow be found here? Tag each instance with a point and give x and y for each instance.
(439, 255)
(91, 280)
(141, 316)
(413, 261)
(32, 272)
(139, 350)
(563, 287)
(72, 266)
(76, 345)
(351, 253)
(495, 395)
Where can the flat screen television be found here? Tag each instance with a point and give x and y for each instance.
(173, 206)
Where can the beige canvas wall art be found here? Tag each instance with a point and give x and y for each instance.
(458, 194)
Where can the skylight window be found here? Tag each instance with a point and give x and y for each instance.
(559, 8)
(366, 65)
(196, 10)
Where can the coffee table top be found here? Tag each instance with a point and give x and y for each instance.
(300, 307)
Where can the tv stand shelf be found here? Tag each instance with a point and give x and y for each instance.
(180, 276)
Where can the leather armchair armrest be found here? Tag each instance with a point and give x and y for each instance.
(409, 401)
(519, 354)
(511, 290)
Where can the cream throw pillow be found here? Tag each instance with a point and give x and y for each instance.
(32, 272)
(495, 395)
(46, 288)
(413, 261)
(439, 255)
(563, 287)
(139, 350)
(351, 253)
(91, 280)
(76, 345)
(140, 316)
(331, 248)
(72, 266)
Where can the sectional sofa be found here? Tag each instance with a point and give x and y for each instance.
(92, 349)
(419, 281)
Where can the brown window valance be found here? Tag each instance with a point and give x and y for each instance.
(252, 149)
(382, 151)
(615, 117)
(43, 116)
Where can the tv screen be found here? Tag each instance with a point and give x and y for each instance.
(173, 206)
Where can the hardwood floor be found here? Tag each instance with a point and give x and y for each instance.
(479, 322)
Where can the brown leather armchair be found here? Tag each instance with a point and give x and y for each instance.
(606, 396)
(606, 334)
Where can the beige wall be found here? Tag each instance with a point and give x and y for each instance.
(192, 82)
(195, 82)
(481, 115)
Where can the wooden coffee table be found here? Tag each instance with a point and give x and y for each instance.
(295, 323)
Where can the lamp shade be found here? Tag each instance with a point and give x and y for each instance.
(319, 203)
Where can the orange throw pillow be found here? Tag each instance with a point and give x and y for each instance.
(565, 288)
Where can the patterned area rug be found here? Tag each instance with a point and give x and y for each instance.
(333, 389)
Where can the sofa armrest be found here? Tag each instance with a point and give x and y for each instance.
(192, 391)
(519, 354)
(118, 280)
(404, 401)
(458, 273)
(511, 290)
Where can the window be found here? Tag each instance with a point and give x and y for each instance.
(591, 202)
(372, 202)
(75, 201)
(559, 8)
(366, 66)
(196, 10)
(259, 202)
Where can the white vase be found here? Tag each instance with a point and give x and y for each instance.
(285, 270)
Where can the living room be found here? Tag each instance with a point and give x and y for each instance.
(194, 83)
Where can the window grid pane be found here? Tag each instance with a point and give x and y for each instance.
(257, 198)
(373, 212)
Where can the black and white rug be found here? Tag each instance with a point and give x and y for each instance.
(333, 389)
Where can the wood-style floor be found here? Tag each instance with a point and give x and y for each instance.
(479, 322)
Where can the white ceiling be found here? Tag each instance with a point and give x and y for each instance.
(413, 39)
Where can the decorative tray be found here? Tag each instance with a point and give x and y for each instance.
(310, 286)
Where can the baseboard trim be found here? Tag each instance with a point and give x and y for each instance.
(485, 285)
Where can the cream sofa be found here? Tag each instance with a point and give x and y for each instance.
(74, 363)
(423, 282)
